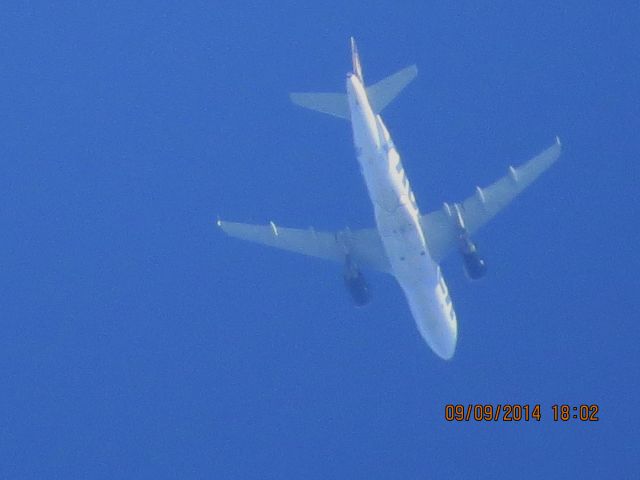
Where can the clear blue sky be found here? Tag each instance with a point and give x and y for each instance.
(140, 342)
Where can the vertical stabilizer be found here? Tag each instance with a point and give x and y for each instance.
(355, 60)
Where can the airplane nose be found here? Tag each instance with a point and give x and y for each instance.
(446, 344)
(434, 324)
(446, 349)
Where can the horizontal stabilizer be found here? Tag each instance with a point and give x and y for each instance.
(382, 93)
(335, 104)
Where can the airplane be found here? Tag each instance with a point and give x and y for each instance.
(406, 244)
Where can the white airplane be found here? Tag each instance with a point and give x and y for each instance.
(404, 243)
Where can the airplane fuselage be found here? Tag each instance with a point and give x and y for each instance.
(404, 243)
(398, 222)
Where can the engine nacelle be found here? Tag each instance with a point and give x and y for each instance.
(474, 265)
(356, 284)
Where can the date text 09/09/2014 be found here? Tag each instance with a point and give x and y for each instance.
(515, 412)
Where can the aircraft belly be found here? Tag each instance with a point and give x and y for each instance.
(437, 324)
(383, 191)
(399, 229)
(419, 278)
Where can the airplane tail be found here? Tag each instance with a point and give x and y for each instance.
(380, 94)
(355, 60)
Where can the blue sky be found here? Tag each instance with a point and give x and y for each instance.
(140, 342)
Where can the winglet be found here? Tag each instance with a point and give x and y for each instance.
(355, 60)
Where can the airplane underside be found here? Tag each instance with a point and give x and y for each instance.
(404, 243)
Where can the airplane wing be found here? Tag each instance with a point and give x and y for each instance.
(442, 228)
(364, 246)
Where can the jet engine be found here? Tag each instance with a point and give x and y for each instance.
(474, 265)
(356, 284)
